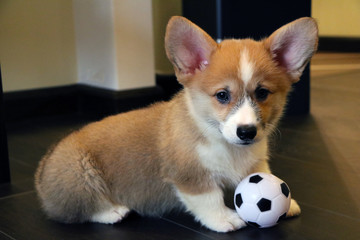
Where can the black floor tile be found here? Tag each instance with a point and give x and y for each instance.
(313, 223)
(307, 140)
(15, 188)
(20, 170)
(322, 187)
(29, 139)
(311, 151)
(4, 236)
(21, 218)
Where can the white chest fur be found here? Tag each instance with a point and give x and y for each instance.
(231, 162)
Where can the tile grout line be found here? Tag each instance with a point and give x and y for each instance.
(17, 195)
(294, 159)
(22, 162)
(329, 211)
(183, 226)
(7, 235)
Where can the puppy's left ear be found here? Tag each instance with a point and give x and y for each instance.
(187, 46)
(293, 45)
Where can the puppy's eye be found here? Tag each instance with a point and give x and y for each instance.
(261, 93)
(223, 96)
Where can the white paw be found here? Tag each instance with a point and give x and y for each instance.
(225, 222)
(294, 209)
(210, 210)
(111, 216)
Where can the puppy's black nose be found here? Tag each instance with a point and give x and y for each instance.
(246, 132)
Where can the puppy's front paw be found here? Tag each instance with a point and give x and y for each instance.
(227, 221)
(294, 209)
(209, 209)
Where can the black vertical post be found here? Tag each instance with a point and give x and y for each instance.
(4, 156)
(219, 33)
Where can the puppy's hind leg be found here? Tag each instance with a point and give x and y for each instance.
(294, 209)
(110, 216)
(71, 187)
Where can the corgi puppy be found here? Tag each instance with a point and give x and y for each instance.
(181, 153)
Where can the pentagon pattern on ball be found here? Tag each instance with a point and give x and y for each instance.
(253, 224)
(238, 200)
(281, 217)
(264, 205)
(285, 189)
(255, 179)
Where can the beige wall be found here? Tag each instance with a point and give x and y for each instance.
(114, 43)
(47, 43)
(337, 18)
(37, 44)
(95, 43)
(134, 43)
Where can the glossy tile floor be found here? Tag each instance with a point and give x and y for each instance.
(317, 155)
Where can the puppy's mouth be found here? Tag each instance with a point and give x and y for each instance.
(246, 143)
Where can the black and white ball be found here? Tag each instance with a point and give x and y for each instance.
(262, 199)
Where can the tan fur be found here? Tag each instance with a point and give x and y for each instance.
(157, 158)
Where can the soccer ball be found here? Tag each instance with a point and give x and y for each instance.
(262, 199)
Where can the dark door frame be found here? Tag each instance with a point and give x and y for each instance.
(4, 155)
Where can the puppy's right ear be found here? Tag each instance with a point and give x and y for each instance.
(187, 46)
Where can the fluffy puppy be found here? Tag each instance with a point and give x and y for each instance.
(182, 153)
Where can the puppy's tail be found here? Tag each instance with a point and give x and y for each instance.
(70, 185)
